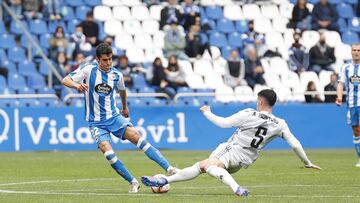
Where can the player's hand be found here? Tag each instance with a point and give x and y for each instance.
(338, 101)
(313, 166)
(205, 108)
(82, 87)
(125, 111)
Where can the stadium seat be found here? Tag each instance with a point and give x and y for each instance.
(150, 26)
(343, 26)
(195, 81)
(80, 12)
(307, 76)
(258, 88)
(225, 51)
(284, 51)
(223, 2)
(74, 3)
(274, 39)
(278, 65)
(10, 66)
(272, 79)
(241, 26)
(143, 41)
(244, 94)
(3, 55)
(16, 82)
(313, 1)
(26, 90)
(124, 41)
(158, 39)
(213, 80)
(290, 79)
(38, 27)
(139, 81)
(55, 23)
(132, 27)
(279, 24)
(354, 24)
(262, 25)
(153, 52)
(103, 13)
(186, 67)
(155, 12)
(225, 26)
(333, 38)
(286, 10)
(93, 3)
(2, 27)
(349, 37)
(235, 40)
(310, 38)
(113, 27)
(233, 12)
(207, 2)
(324, 77)
(3, 83)
(44, 40)
(251, 11)
(202, 67)
(27, 68)
(45, 90)
(25, 42)
(185, 90)
(15, 28)
(112, 3)
(135, 55)
(217, 39)
(140, 13)
(71, 25)
(343, 52)
(270, 11)
(36, 81)
(16, 54)
(67, 13)
(345, 10)
(122, 13)
(131, 3)
(220, 65)
(288, 37)
(225, 94)
(283, 94)
(335, 1)
(7, 41)
(214, 12)
(351, 1)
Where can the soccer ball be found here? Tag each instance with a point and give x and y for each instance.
(163, 189)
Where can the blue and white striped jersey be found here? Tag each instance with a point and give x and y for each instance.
(103, 86)
(350, 76)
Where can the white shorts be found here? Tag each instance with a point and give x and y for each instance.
(233, 156)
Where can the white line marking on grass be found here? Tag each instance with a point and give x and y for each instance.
(56, 181)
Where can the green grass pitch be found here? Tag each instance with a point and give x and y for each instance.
(277, 176)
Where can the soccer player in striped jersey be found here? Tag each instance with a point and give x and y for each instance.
(100, 82)
(255, 129)
(350, 77)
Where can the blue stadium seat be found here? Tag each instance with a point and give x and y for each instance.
(74, 3)
(3, 83)
(36, 81)
(2, 27)
(25, 42)
(15, 28)
(335, 1)
(146, 89)
(225, 26)
(53, 24)
(93, 3)
(134, 101)
(350, 37)
(26, 90)
(234, 39)
(313, 1)
(217, 39)
(10, 66)
(27, 68)
(50, 102)
(38, 27)
(241, 26)
(71, 25)
(209, 22)
(354, 24)
(3, 55)
(152, 101)
(225, 51)
(204, 38)
(214, 12)
(342, 24)
(185, 90)
(7, 41)
(43, 68)
(45, 90)
(80, 12)
(202, 13)
(16, 54)
(139, 80)
(345, 10)
(67, 13)
(351, 1)
(44, 40)
(16, 82)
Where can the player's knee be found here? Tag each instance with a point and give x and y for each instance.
(105, 146)
(203, 165)
(132, 135)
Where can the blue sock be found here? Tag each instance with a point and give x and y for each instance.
(118, 166)
(153, 153)
(357, 145)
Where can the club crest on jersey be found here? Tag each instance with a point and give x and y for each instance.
(355, 80)
(103, 89)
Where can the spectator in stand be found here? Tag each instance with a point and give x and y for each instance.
(4, 72)
(159, 79)
(174, 73)
(253, 68)
(59, 43)
(321, 56)
(62, 66)
(301, 16)
(15, 6)
(170, 13)
(32, 9)
(126, 70)
(194, 44)
(53, 9)
(298, 58)
(90, 29)
(190, 12)
(79, 59)
(331, 87)
(110, 41)
(235, 71)
(78, 42)
(313, 98)
(175, 42)
(151, 2)
(324, 16)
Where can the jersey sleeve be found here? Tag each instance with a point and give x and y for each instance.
(80, 73)
(342, 75)
(121, 83)
(235, 120)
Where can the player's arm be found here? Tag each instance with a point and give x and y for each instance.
(69, 82)
(297, 147)
(222, 122)
(339, 93)
(125, 110)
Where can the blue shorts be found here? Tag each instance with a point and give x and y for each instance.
(353, 116)
(117, 125)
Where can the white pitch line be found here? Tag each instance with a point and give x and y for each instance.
(55, 181)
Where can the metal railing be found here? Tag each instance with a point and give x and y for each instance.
(162, 95)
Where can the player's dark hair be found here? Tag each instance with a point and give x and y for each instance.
(269, 95)
(103, 48)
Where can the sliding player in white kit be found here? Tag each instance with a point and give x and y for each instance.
(255, 128)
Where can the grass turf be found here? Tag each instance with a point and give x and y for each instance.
(277, 176)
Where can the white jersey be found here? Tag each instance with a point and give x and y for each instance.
(255, 130)
(103, 86)
(350, 76)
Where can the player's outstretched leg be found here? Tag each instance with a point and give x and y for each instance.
(133, 136)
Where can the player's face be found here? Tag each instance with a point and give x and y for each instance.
(355, 52)
(105, 62)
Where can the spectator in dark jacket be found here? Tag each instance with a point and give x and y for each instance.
(126, 70)
(321, 56)
(324, 16)
(32, 8)
(190, 12)
(195, 46)
(253, 68)
(170, 14)
(301, 18)
(235, 70)
(331, 87)
(91, 29)
(314, 98)
(159, 79)
(299, 59)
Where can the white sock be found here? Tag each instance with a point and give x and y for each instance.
(185, 174)
(223, 176)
